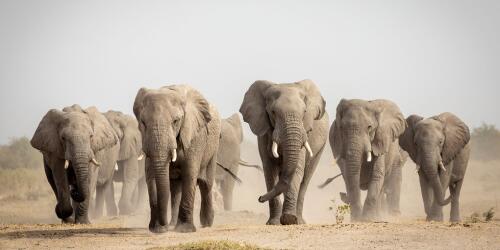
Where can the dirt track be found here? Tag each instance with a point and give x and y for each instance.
(401, 235)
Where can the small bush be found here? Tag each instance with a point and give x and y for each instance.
(210, 245)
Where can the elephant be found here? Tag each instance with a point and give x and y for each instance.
(130, 165)
(79, 148)
(364, 141)
(291, 126)
(440, 147)
(228, 157)
(180, 138)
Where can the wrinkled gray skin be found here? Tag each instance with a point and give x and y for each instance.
(177, 123)
(228, 156)
(439, 140)
(364, 141)
(87, 141)
(289, 115)
(130, 169)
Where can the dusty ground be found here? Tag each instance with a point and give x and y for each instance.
(31, 223)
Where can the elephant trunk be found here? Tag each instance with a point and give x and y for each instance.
(354, 153)
(81, 168)
(292, 141)
(430, 169)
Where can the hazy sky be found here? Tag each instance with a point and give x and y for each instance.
(427, 56)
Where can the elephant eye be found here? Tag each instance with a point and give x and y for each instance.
(176, 121)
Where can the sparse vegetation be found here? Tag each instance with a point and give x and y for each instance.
(485, 142)
(340, 211)
(211, 245)
(476, 217)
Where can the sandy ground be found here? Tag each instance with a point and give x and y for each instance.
(33, 224)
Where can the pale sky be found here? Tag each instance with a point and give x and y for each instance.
(427, 56)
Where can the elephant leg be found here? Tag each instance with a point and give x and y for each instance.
(109, 195)
(59, 183)
(207, 209)
(227, 187)
(455, 201)
(394, 191)
(185, 218)
(271, 176)
(309, 169)
(175, 195)
(130, 178)
(374, 189)
(436, 209)
(143, 192)
(98, 209)
(289, 214)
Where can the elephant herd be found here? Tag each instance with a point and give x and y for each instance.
(177, 141)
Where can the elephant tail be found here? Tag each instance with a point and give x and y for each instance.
(246, 164)
(235, 177)
(329, 180)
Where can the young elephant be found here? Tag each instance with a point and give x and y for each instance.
(440, 147)
(291, 126)
(180, 137)
(228, 156)
(130, 162)
(364, 142)
(78, 148)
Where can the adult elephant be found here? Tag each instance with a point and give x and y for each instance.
(439, 145)
(180, 137)
(130, 162)
(78, 148)
(228, 156)
(291, 126)
(364, 142)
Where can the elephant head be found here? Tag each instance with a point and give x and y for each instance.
(75, 135)
(169, 119)
(432, 144)
(363, 129)
(286, 113)
(127, 130)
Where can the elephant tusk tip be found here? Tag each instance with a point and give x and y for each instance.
(140, 157)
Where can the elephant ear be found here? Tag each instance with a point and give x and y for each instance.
(456, 135)
(46, 137)
(253, 108)
(335, 130)
(73, 108)
(104, 135)
(196, 113)
(235, 122)
(138, 103)
(407, 139)
(314, 102)
(391, 124)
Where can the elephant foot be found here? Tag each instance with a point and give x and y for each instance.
(207, 220)
(273, 221)
(68, 220)
(157, 228)
(172, 223)
(288, 219)
(82, 220)
(185, 228)
(63, 212)
(434, 218)
(301, 220)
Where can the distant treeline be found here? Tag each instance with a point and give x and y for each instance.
(18, 153)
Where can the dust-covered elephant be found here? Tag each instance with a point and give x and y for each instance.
(79, 148)
(364, 141)
(180, 138)
(228, 158)
(439, 145)
(291, 126)
(130, 162)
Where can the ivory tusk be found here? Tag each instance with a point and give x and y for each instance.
(95, 162)
(309, 149)
(417, 168)
(141, 156)
(369, 156)
(116, 167)
(275, 150)
(174, 155)
(441, 165)
(66, 164)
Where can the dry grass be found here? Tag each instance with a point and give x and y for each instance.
(23, 184)
(209, 245)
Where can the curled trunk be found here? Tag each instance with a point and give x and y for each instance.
(430, 168)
